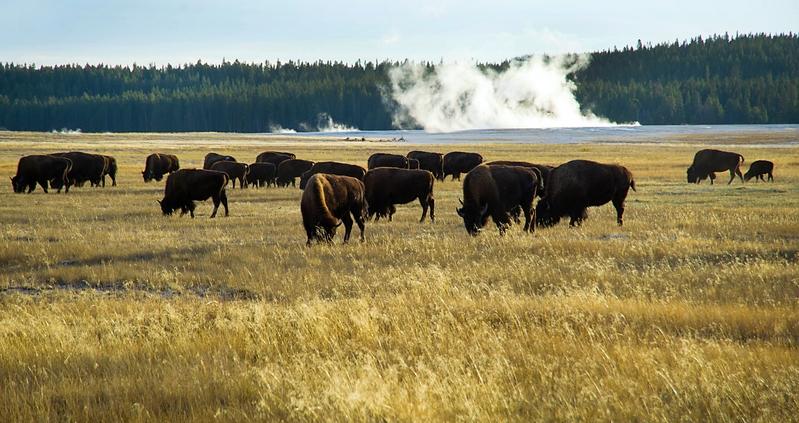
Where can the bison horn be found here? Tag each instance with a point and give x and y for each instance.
(158, 201)
(461, 201)
(460, 211)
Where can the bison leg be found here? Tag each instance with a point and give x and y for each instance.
(424, 202)
(577, 217)
(529, 226)
(432, 203)
(113, 181)
(223, 197)
(359, 221)
(347, 226)
(619, 205)
(44, 185)
(770, 177)
(31, 187)
(732, 175)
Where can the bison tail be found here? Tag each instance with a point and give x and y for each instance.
(325, 216)
(632, 185)
(741, 158)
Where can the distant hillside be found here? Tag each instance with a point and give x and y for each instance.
(745, 79)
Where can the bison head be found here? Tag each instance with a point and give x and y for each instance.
(17, 184)
(166, 207)
(473, 219)
(545, 215)
(693, 175)
(147, 176)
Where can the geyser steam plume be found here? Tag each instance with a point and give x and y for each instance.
(531, 93)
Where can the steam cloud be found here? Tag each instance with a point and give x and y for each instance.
(531, 93)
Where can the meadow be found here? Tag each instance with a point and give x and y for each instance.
(110, 311)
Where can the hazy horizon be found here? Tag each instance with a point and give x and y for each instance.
(177, 32)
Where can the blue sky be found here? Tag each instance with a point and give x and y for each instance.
(181, 31)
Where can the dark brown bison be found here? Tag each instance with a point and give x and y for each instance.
(158, 164)
(212, 158)
(458, 162)
(185, 186)
(576, 185)
(266, 156)
(433, 162)
(329, 200)
(543, 170)
(413, 164)
(387, 186)
(496, 191)
(706, 162)
(85, 167)
(290, 169)
(758, 168)
(333, 168)
(387, 160)
(261, 174)
(110, 170)
(42, 170)
(234, 171)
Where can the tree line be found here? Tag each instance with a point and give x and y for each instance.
(751, 78)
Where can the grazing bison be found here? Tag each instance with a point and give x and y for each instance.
(261, 174)
(387, 160)
(290, 169)
(266, 155)
(110, 170)
(85, 167)
(328, 199)
(758, 169)
(433, 162)
(458, 162)
(333, 168)
(234, 170)
(495, 191)
(576, 185)
(158, 164)
(212, 158)
(185, 186)
(41, 169)
(387, 186)
(706, 162)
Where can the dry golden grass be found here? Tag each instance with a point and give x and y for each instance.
(110, 311)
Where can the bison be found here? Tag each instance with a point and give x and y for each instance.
(274, 157)
(212, 158)
(706, 162)
(329, 200)
(41, 169)
(110, 170)
(158, 164)
(85, 167)
(758, 168)
(290, 169)
(543, 170)
(387, 160)
(333, 168)
(261, 174)
(576, 185)
(234, 170)
(185, 186)
(495, 191)
(458, 162)
(433, 162)
(387, 186)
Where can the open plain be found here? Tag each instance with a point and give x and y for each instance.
(110, 311)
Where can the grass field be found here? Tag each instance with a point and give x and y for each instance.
(110, 311)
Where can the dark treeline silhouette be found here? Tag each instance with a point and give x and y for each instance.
(722, 79)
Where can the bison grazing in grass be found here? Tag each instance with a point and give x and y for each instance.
(261, 174)
(706, 162)
(387, 160)
(110, 170)
(41, 169)
(387, 186)
(157, 165)
(333, 168)
(212, 158)
(186, 186)
(85, 167)
(574, 186)
(289, 170)
(234, 171)
(758, 169)
(458, 162)
(329, 200)
(495, 191)
(432, 162)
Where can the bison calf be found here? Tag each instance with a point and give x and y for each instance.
(495, 191)
(458, 162)
(758, 169)
(387, 186)
(157, 165)
(329, 200)
(576, 185)
(186, 186)
(261, 174)
(234, 171)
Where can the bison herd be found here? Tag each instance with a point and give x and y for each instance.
(337, 193)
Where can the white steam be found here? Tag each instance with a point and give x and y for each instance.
(531, 93)
(277, 129)
(325, 123)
